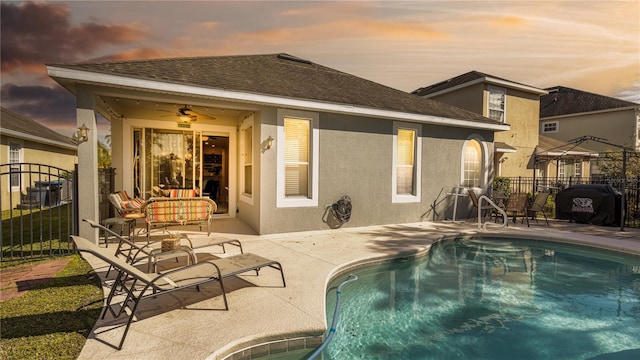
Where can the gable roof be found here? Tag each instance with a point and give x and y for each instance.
(471, 78)
(22, 127)
(565, 101)
(273, 79)
(555, 148)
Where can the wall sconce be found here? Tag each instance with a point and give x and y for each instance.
(82, 134)
(269, 142)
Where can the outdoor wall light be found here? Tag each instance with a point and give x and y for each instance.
(82, 134)
(269, 142)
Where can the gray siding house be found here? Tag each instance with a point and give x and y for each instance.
(275, 139)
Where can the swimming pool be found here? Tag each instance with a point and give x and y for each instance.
(492, 299)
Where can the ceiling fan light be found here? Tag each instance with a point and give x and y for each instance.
(184, 118)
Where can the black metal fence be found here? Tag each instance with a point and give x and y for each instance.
(37, 211)
(554, 185)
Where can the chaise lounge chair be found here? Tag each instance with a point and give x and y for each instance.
(130, 250)
(130, 278)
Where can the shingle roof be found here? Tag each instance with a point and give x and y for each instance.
(23, 125)
(564, 101)
(463, 79)
(280, 75)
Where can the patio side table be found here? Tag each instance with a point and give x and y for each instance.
(130, 224)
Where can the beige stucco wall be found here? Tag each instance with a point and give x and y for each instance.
(617, 127)
(36, 153)
(522, 112)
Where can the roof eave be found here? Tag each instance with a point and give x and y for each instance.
(60, 73)
(21, 135)
(591, 112)
(489, 80)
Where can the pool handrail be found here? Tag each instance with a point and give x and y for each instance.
(336, 315)
(500, 209)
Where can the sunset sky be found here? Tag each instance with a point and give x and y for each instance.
(589, 45)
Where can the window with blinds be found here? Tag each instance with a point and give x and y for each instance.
(296, 157)
(405, 162)
(472, 164)
(407, 148)
(497, 98)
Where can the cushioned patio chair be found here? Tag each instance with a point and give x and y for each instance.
(137, 285)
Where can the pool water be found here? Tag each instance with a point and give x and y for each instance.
(492, 299)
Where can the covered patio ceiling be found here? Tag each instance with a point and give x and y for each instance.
(170, 109)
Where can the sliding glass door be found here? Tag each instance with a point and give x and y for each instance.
(172, 159)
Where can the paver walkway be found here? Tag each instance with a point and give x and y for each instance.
(16, 281)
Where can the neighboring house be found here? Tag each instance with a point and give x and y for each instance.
(503, 100)
(23, 140)
(559, 160)
(275, 139)
(567, 114)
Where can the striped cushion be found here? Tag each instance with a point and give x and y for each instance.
(181, 193)
(177, 211)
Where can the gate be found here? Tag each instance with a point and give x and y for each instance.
(37, 211)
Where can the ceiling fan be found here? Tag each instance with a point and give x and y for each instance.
(187, 114)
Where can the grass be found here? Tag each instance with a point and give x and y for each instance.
(32, 233)
(53, 320)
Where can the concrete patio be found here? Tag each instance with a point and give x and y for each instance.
(193, 325)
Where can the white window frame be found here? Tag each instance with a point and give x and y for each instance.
(562, 170)
(484, 158)
(314, 153)
(247, 123)
(20, 146)
(417, 186)
(502, 91)
(577, 168)
(555, 129)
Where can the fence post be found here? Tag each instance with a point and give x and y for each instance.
(76, 209)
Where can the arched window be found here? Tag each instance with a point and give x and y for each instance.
(472, 164)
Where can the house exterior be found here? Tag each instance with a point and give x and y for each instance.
(24, 140)
(502, 100)
(567, 114)
(275, 139)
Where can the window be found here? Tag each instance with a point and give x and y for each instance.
(577, 168)
(15, 157)
(472, 161)
(562, 168)
(297, 158)
(497, 99)
(246, 158)
(406, 162)
(550, 127)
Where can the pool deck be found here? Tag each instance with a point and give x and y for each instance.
(193, 325)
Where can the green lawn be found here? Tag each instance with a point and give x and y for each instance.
(29, 234)
(53, 320)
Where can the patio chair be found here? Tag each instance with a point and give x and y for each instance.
(130, 278)
(484, 209)
(125, 206)
(538, 206)
(517, 203)
(130, 251)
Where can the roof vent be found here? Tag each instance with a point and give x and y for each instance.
(293, 58)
